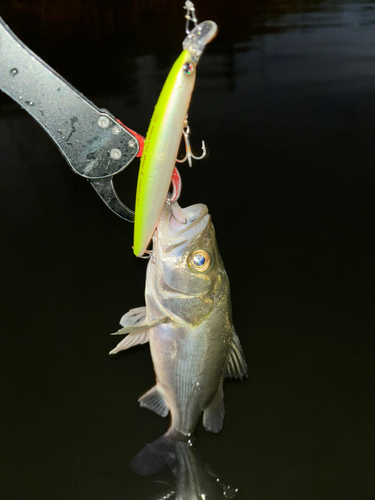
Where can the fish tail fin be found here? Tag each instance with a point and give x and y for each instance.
(156, 455)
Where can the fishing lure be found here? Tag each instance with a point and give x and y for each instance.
(168, 122)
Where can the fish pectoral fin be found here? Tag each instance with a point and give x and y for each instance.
(136, 334)
(131, 340)
(153, 400)
(213, 415)
(142, 326)
(134, 317)
(236, 364)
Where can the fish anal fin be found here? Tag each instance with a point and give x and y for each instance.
(236, 364)
(153, 400)
(213, 415)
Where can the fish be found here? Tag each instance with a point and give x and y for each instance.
(164, 135)
(187, 321)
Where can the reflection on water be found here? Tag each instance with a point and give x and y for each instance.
(185, 476)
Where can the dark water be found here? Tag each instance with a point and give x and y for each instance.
(285, 100)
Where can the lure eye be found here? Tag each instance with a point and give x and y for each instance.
(200, 260)
(188, 68)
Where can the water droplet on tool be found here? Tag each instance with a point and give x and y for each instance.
(14, 71)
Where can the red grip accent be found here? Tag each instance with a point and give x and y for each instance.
(139, 137)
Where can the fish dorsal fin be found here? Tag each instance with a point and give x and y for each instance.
(213, 415)
(236, 363)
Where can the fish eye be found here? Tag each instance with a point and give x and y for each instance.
(200, 260)
(188, 68)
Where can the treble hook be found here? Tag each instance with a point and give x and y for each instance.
(190, 15)
(174, 210)
(189, 154)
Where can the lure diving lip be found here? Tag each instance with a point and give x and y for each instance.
(164, 135)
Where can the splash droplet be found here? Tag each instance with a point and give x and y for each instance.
(14, 71)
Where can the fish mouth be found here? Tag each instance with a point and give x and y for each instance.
(179, 226)
(176, 236)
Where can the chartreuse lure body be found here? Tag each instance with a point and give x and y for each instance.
(164, 136)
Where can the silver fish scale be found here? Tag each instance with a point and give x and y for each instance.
(189, 365)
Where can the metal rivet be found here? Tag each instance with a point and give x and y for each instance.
(115, 154)
(132, 143)
(103, 122)
(116, 130)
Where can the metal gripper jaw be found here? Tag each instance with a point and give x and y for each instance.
(93, 142)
